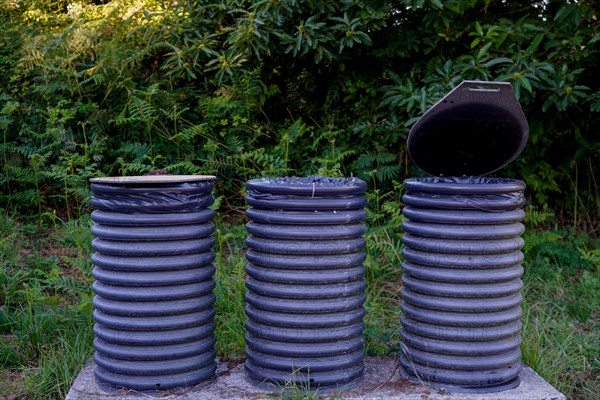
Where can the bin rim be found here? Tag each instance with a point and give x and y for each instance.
(151, 179)
(308, 186)
(464, 185)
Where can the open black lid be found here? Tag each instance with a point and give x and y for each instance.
(477, 128)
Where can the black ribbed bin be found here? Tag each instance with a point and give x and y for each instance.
(305, 281)
(462, 286)
(153, 308)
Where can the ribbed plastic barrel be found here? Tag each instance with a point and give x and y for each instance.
(153, 308)
(462, 286)
(305, 281)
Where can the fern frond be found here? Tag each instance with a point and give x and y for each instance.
(136, 151)
(69, 284)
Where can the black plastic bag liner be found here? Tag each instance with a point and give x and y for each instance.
(477, 128)
(465, 193)
(311, 194)
(152, 194)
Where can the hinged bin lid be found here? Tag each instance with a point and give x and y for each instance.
(477, 128)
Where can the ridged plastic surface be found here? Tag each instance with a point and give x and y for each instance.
(305, 281)
(461, 283)
(153, 308)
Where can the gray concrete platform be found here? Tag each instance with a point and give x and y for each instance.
(382, 381)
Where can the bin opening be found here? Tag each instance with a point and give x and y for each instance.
(475, 129)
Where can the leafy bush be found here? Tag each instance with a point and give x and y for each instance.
(249, 88)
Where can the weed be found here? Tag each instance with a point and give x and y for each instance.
(299, 388)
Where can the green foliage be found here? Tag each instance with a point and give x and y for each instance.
(247, 89)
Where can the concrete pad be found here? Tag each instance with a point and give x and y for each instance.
(382, 381)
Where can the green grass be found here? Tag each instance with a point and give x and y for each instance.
(45, 305)
(230, 289)
(561, 312)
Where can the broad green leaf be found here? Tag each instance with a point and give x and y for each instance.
(437, 4)
(536, 42)
(526, 84)
(533, 27)
(548, 103)
(483, 51)
(496, 61)
(453, 6)
(478, 28)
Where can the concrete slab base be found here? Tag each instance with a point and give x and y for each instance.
(382, 381)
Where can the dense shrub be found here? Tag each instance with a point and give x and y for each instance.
(248, 88)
